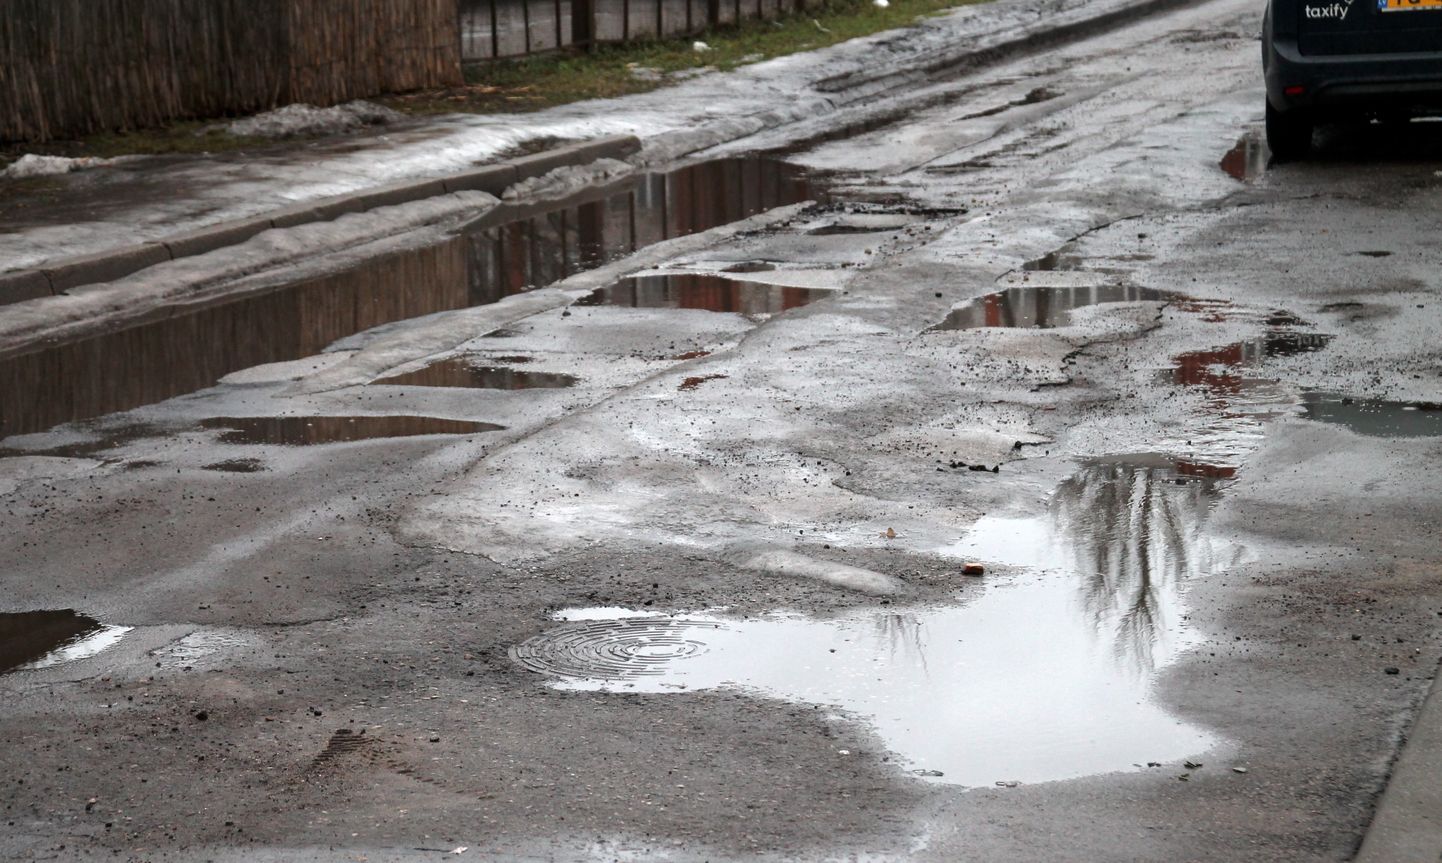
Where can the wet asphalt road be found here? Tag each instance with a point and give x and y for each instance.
(693, 590)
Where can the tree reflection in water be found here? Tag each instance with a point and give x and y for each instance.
(1134, 531)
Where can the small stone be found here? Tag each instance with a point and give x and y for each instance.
(973, 569)
(1239, 770)
(1392, 669)
(1007, 783)
(1192, 765)
(435, 738)
(202, 715)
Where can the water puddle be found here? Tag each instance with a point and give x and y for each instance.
(1042, 677)
(461, 373)
(40, 639)
(1041, 307)
(512, 249)
(308, 431)
(703, 292)
(1247, 160)
(1374, 417)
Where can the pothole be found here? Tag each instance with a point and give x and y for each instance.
(307, 431)
(703, 292)
(40, 639)
(1041, 307)
(463, 373)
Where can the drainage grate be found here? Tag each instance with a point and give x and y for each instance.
(614, 649)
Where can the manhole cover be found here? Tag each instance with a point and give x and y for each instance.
(614, 649)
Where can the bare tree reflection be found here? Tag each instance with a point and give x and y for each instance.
(1136, 531)
(901, 636)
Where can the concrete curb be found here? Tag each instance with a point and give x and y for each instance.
(67, 274)
(1408, 825)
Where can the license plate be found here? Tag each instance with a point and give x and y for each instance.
(1407, 5)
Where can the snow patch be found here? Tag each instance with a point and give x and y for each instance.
(307, 120)
(32, 165)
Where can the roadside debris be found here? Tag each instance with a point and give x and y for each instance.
(973, 569)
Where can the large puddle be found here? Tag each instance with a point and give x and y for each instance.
(705, 293)
(1042, 677)
(510, 250)
(40, 639)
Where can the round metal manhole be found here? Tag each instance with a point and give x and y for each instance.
(614, 649)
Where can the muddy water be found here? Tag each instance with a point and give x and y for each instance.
(40, 639)
(309, 431)
(510, 250)
(1041, 307)
(703, 292)
(462, 373)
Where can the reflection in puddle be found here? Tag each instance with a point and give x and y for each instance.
(1374, 417)
(705, 292)
(1041, 308)
(40, 639)
(1131, 531)
(1247, 160)
(305, 431)
(1041, 678)
(460, 373)
(1238, 403)
(510, 250)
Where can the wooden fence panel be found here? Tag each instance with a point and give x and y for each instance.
(69, 67)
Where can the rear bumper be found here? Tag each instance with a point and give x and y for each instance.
(1351, 83)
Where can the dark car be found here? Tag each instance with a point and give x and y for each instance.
(1338, 59)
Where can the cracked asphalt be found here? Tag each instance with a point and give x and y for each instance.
(707, 602)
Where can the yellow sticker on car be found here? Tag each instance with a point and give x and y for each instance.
(1404, 5)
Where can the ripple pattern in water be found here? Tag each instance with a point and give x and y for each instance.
(614, 649)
